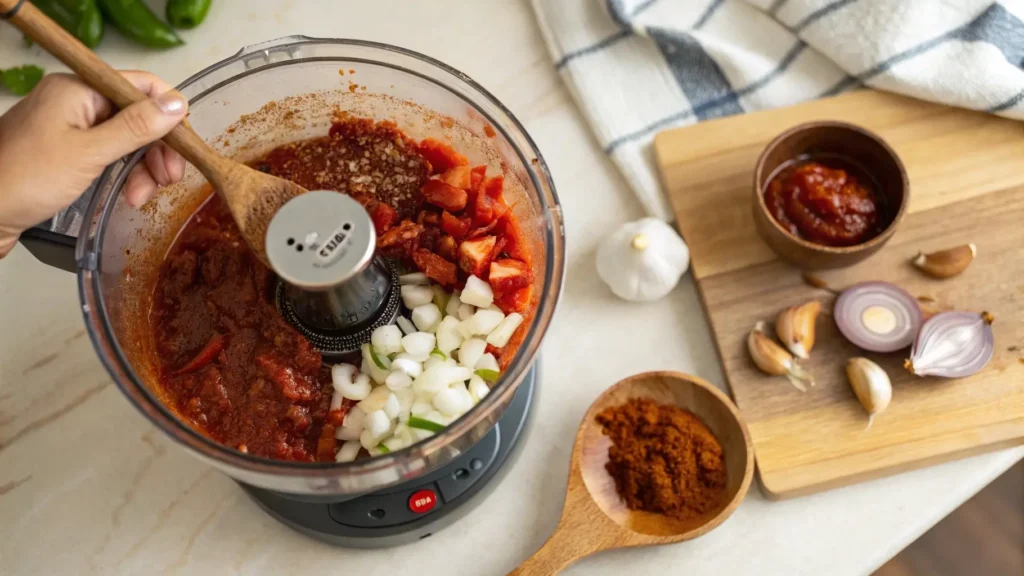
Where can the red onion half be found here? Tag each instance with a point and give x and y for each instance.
(877, 316)
(953, 345)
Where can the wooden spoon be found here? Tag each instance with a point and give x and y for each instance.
(594, 518)
(252, 196)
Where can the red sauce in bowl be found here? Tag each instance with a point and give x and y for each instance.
(828, 202)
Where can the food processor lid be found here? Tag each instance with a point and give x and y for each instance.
(319, 240)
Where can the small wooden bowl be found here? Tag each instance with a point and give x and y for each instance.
(595, 518)
(851, 144)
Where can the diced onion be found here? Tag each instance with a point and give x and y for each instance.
(378, 423)
(370, 367)
(478, 389)
(406, 325)
(471, 351)
(426, 317)
(419, 345)
(457, 374)
(483, 322)
(420, 408)
(392, 407)
(387, 339)
(465, 312)
(352, 426)
(341, 379)
(413, 296)
(432, 381)
(398, 380)
(367, 440)
(501, 335)
(449, 402)
(348, 451)
(452, 308)
(448, 336)
(487, 362)
(375, 401)
(407, 364)
(414, 278)
(477, 293)
(434, 361)
(336, 400)
(394, 444)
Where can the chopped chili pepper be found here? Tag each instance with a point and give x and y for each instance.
(453, 226)
(440, 156)
(435, 267)
(444, 195)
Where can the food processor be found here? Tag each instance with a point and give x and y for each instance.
(271, 94)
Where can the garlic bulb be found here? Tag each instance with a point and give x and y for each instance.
(871, 385)
(773, 359)
(795, 327)
(642, 260)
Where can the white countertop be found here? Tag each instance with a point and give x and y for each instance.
(87, 485)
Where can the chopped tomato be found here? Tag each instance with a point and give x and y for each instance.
(454, 226)
(475, 255)
(446, 248)
(516, 246)
(440, 155)
(293, 386)
(494, 186)
(435, 267)
(492, 349)
(206, 355)
(476, 176)
(458, 176)
(499, 246)
(476, 233)
(514, 301)
(486, 210)
(405, 231)
(509, 275)
(444, 195)
(383, 217)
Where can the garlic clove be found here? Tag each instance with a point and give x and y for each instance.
(795, 327)
(871, 384)
(946, 263)
(774, 359)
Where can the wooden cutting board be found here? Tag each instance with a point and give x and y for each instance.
(966, 174)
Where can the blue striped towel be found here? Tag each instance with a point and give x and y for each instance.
(636, 67)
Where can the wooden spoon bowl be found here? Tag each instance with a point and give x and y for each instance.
(595, 518)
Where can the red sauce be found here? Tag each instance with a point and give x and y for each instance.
(230, 363)
(824, 203)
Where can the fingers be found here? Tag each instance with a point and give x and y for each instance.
(140, 186)
(136, 126)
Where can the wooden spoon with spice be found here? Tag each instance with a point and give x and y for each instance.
(252, 196)
(595, 516)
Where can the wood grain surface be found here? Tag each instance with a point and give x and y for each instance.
(966, 175)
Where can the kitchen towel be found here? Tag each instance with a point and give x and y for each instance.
(637, 67)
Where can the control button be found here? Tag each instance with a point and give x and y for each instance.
(422, 501)
(377, 513)
(476, 464)
(461, 474)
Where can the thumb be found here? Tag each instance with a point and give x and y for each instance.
(136, 126)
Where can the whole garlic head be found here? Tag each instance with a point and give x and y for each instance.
(642, 260)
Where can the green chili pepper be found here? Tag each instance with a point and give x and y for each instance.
(21, 80)
(81, 18)
(136, 21)
(187, 13)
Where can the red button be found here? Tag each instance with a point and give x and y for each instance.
(422, 501)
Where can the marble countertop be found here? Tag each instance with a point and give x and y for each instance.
(88, 486)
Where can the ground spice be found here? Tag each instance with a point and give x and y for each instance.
(663, 459)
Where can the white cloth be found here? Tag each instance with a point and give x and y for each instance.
(637, 67)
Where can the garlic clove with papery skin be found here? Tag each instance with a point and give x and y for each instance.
(946, 263)
(774, 359)
(642, 260)
(795, 327)
(871, 384)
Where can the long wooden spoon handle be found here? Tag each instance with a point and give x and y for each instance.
(104, 79)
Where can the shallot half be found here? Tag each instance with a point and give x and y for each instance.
(952, 345)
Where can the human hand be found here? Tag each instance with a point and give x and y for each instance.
(61, 136)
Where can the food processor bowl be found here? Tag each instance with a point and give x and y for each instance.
(264, 96)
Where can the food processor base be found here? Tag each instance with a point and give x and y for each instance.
(415, 510)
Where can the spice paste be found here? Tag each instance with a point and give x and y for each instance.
(823, 203)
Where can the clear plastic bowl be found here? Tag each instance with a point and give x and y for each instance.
(264, 96)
